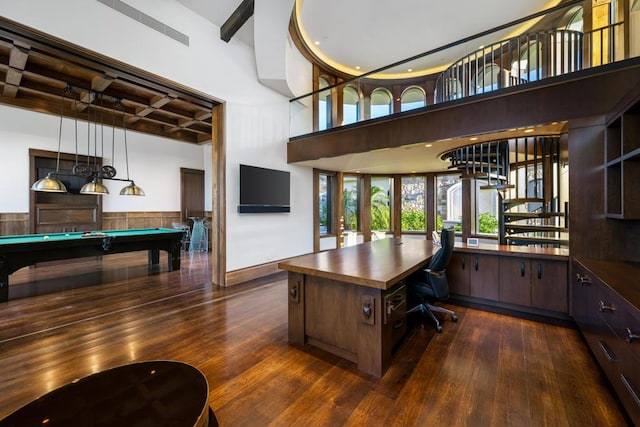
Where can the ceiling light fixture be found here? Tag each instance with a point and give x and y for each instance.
(50, 183)
(94, 174)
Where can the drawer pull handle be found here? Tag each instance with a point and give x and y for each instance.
(367, 310)
(521, 268)
(604, 307)
(611, 357)
(583, 280)
(393, 306)
(630, 388)
(631, 337)
(398, 324)
(476, 263)
(463, 257)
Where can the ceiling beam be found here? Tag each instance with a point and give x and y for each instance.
(236, 20)
(17, 62)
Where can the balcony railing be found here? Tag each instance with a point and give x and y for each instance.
(461, 69)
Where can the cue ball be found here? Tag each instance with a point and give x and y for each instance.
(46, 237)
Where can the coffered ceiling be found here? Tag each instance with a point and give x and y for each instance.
(36, 70)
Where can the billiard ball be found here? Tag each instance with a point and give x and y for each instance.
(46, 237)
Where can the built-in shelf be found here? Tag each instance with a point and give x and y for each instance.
(622, 165)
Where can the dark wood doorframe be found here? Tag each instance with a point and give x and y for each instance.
(191, 193)
(218, 198)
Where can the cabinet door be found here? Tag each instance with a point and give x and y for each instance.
(549, 285)
(458, 273)
(483, 276)
(515, 282)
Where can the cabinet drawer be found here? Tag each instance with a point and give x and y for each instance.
(606, 347)
(620, 316)
(627, 383)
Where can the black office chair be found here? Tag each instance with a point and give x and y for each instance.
(431, 283)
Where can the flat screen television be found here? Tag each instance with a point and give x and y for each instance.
(263, 190)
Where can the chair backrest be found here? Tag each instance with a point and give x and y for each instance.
(441, 258)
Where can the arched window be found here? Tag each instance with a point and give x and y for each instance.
(381, 104)
(576, 21)
(324, 105)
(487, 79)
(350, 105)
(413, 97)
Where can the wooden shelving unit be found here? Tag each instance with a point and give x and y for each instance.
(622, 165)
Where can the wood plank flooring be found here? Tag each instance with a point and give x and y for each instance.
(485, 370)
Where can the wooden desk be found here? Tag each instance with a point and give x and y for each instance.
(351, 301)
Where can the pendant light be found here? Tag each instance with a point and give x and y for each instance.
(94, 187)
(132, 189)
(50, 183)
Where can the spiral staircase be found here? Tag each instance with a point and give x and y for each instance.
(527, 174)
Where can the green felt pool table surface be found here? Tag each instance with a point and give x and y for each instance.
(22, 250)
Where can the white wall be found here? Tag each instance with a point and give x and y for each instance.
(154, 162)
(256, 117)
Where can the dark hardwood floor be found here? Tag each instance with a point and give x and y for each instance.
(485, 370)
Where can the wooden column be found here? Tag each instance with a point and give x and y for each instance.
(218, 209)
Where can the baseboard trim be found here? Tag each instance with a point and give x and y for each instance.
(243, 275)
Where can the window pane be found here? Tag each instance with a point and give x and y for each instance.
(412, 98)
(324, 106)
(486, 209)
(351, 197)
(350, 106)
(413, 197)
(380, 103)
(381, 203)
(324, 204)
(449, 202)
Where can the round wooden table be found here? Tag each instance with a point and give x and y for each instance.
(153, 393)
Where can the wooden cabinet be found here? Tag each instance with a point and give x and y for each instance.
(605, 305)
(458, 274)
(534, 283)
(483, 276)
(622, 165)
(515, 280)
(511, 278)
(61, 212)
(549, 290)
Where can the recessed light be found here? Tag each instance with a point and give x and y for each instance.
(410, 70)
(316, 43)
(528, 130)
(475, 138)
(357, 67)
(429, 145)
(413, 171)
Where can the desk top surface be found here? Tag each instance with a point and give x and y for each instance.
(159, 392)
(378, 264)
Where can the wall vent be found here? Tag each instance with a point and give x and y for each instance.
(147, 20)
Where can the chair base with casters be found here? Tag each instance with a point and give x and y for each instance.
(429, 309)
(431, 283)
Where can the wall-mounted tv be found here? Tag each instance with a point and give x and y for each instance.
(263, 190)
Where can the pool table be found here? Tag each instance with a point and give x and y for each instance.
(23, 250)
